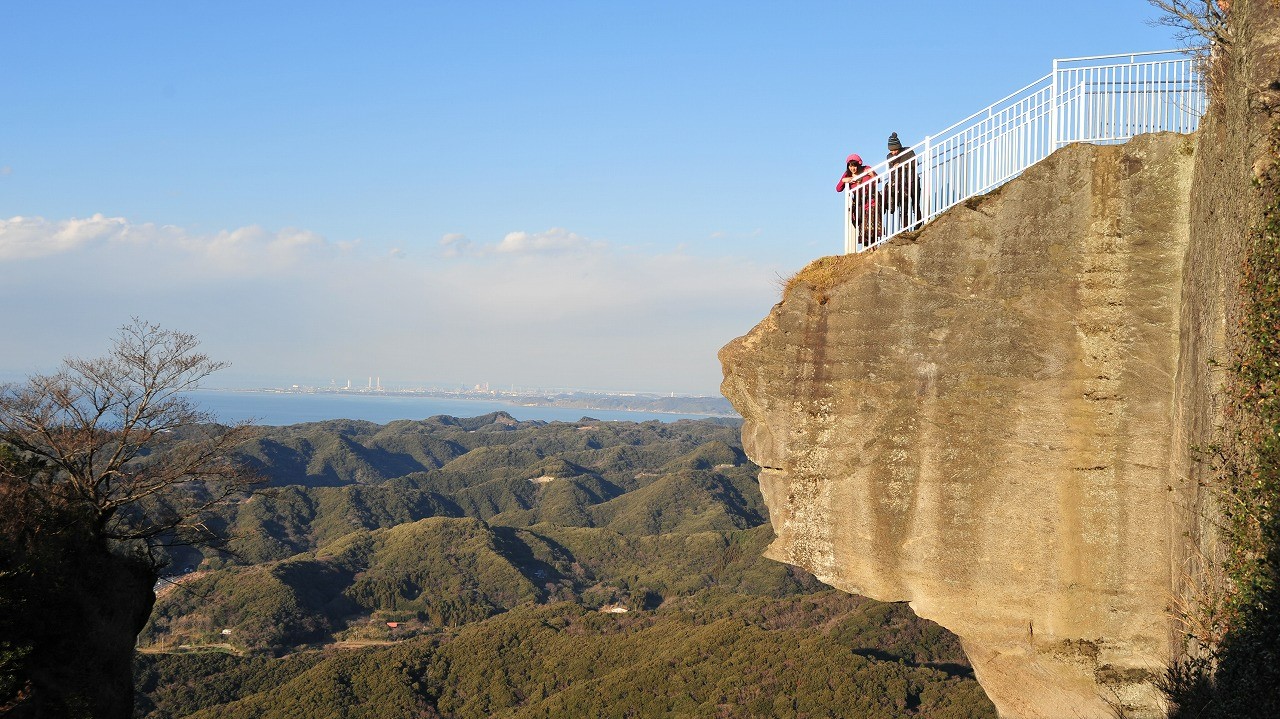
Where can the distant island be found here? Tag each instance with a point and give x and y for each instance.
(706, 406)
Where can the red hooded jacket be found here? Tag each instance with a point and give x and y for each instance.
(849, 180)
(854, 181)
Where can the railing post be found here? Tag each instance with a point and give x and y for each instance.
(1053, 108)
(926, 212)
(849, 246)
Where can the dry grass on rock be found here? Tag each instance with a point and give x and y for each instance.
(823, 274)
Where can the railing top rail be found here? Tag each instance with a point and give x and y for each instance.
(1038, 81)
(1147, 53)
(997, 103)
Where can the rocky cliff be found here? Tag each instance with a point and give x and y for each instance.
(1003, 418)
(979, 420)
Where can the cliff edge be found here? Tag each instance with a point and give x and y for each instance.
(980, 420)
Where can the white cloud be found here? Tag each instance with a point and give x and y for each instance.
(454, 244)
(249, 249)
(25, 237)
(556, 239)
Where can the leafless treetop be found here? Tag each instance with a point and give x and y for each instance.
(118, 438)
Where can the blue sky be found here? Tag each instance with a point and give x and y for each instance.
(545, 194)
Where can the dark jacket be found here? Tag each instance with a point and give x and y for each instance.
(902, 181)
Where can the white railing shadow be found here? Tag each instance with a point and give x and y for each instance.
(1103, 99)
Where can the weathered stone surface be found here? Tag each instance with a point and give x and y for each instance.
(1228, 198)
(980, 420)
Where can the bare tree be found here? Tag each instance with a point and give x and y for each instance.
(1195, 22)
(116, 442)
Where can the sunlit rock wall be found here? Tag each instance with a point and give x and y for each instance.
(979, 420)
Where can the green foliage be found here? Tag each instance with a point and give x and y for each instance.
(494, 563)
(178, 685)
(768, 658)
(686, 502)
(563, 661)
(339, 510)
(340, 452)
(481, 467)
(441, 571)
(449, 571)
(269, 606)
(273, 525)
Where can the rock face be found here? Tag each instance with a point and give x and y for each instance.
(980, 420)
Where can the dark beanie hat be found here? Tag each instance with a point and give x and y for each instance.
(894, 142)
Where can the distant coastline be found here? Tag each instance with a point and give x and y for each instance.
(285, 406)
(706, 406)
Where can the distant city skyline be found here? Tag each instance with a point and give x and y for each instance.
(374, 384)
(555, 194)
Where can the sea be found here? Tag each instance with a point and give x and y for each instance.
(285, 408)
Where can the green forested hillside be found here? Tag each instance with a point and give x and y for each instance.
(488, 567)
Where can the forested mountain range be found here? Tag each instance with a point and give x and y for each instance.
(490, 567)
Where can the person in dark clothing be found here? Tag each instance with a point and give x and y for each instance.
(902, 185)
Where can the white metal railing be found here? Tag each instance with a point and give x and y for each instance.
(1103, 99)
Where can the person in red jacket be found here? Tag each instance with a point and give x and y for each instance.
(861, 180)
